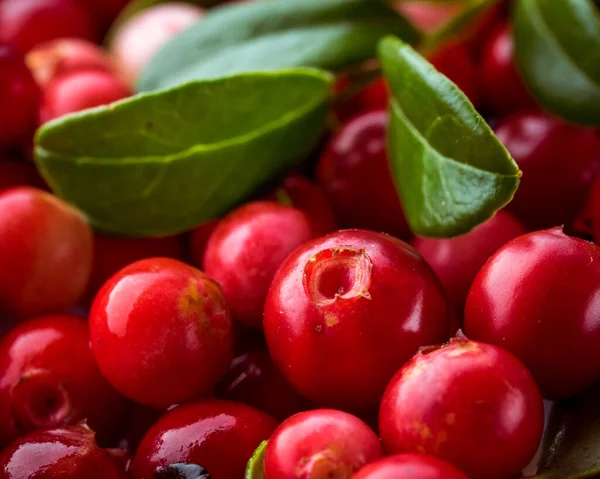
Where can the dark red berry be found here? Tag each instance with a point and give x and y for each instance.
(17, 173)
(471, 404)
(456, 261)
(254, 379)
(45, 253)
(199, 237)
(104, 10)
(320, 444)
(66, 453)
(455, 61)
(345, 311)
(27, 23)
(247, 247)
(113, 253)
(219, 435)
(537, 297)
(501, 86)
(409, 466)
(80, 90)
(19, 97)
(139, 421)
(161, 332)
(355, 173)
(374, 96)
(559, 163)
(48, 378)
(587, 221)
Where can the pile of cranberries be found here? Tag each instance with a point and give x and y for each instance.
(309, 317)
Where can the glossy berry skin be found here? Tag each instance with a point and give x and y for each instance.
(218, 435)
(113, 253)
(358, 291)
(254, 379)
(456, 261)
(247, 247)
(409, 466)
(65, 55)
(355, 173)
(80, 90)
(161, 332)
(455, 61)
(537, 297)
(27, 23)
(17, 173)
(19, 97)
(559, 163)
(48, 378)
(320, 444)
(501, 85)
(45, 252)
(471, 404)
(66, 453)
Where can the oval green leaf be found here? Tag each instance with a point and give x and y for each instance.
(161, 163)
(558, 54)
(571, 446)
(272, 34)
(255, 469)
(451, 171)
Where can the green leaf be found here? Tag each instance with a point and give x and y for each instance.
(272, 34)
(163, 162)
(451, 171)
(557, 47)
(254, 470)
(571, 447)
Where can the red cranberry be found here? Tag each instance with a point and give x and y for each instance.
(17, 173)
(409, 466)
(456, 261)
(246, 249)
(559, 163)
(355, 172)
(138, 39)
(80, 90)
(199, 240)
(588, 220)
(45, 253)
(454, 61)
(65, 55)
(27, 23)
(538, 298)
(312, 200)
(161, 332)
(320, 444)
(503, 90)
(19, 97)
(471, 404)
(66, 453)
(48, 378)
(375, 96)
(218, 435)
(112, 253)
(345, 311)
(254, 379)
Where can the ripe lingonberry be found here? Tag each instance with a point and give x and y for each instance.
(456, 261)
(218, 435)
(537, 297)
(374, 96)
(19, 97)
(45, 253)
(559, 163)
(321, 443)
(471, 404)
(357, 291)
(79, 90)
(355, 173)
(27, 23)
(247, 247)
(409, 466)
(66, 453)
(48, 378)
(161, 332)
(254, 379)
